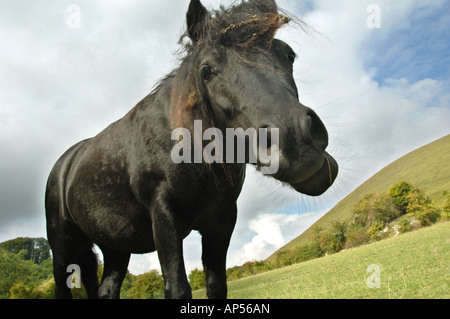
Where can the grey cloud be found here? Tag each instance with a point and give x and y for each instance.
(59, 85)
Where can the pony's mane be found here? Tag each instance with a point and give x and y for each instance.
(242, 26)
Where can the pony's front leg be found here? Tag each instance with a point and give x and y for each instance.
(167, 234)
(215, 243)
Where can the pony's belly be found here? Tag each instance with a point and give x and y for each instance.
(127, 239)
(127, 229)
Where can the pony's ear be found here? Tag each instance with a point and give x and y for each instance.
(196, 17)
(266, 6)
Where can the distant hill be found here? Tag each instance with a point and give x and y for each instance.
(427, 167)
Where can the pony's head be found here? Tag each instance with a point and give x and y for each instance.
(236, 74)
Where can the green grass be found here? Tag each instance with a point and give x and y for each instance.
(426, 167)
(413, 265)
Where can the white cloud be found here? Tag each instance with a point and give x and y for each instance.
(140, 264)
(271, 232)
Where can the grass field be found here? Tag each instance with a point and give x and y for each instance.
(413, 265)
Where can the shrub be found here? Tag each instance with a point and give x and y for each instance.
(284, 258)
(446, 207)
(255, 267)
(145, 286)
(404, 226)
(197, 279)
(337, 237)
(331, 240)
(400, 195)
(307, 252)
(428, 216)
(422, 207)
(20, 291)
(371, 214)
(360, 212)
(418, 202)
(374, 231)
(234, 273)
(357, 237)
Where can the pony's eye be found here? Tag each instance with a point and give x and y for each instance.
(206, 73)
(291, 57)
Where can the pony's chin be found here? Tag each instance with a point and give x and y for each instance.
(321, 181)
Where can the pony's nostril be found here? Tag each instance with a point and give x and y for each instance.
(313, 129)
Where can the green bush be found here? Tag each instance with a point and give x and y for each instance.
(418, 201)
(428, 216)
(400, 195)
(145, 286)
(197, 279)
(307, 252)
(21, 291)
(255, 267)
(283, 259)
(374, 231)
(331, 240)
(422, 207)
(357, 237)
(445, 214)
(404, 226)
(372, 208)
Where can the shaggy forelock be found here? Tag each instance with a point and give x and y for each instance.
(250, 23)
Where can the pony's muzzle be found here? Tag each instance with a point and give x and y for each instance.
(312, 129)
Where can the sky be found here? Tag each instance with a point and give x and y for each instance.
(377, 73)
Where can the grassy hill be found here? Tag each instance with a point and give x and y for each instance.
(412, 265)
(427, 167)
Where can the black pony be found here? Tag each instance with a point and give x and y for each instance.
(122, 190)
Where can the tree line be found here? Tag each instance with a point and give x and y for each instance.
(26, 269)
(26, 272)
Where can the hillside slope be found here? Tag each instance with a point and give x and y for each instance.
(412, 265)
(427, 167)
